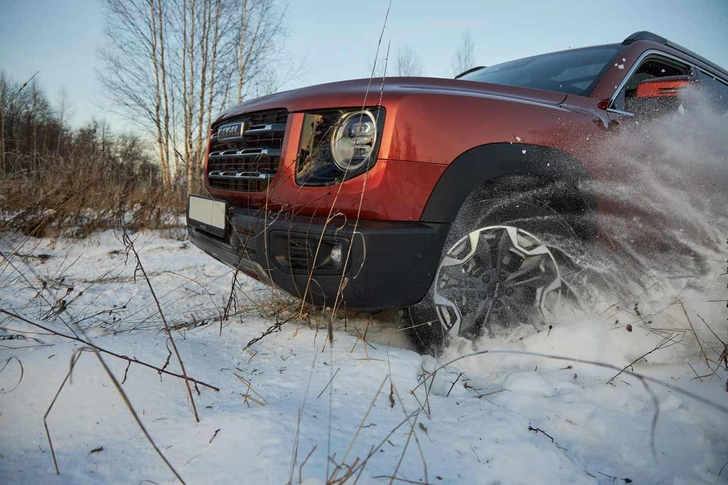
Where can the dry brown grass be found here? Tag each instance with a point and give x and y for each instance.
(75, 197)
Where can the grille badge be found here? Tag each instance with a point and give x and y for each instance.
(231, 131)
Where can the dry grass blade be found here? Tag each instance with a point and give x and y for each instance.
(453, 383)
(646, 379)
(403, 480)
(331, 215)
(105, 351)
(374, 449)
(411, 434)
(655, 416)
(230, 301)
(695, 334)
(722, 354)
(358, 466)
(303, 463)
(247, 395)
(423, 383)
(74, 360)
(20, 89)
(136, 416)
(129, 244)
(328, 383)
(20, 379)
(332, 478)
(663, 344)
(273, 328)
(344, 281)
(297, 436)
(39, 292)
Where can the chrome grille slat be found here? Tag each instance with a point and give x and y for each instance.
(240, 175)
(248, 153)
(277, 127)
(247, 163)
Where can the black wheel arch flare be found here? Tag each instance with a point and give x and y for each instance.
(486, 163)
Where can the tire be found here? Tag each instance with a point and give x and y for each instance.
(503, 263)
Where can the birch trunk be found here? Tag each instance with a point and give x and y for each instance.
(157, 93)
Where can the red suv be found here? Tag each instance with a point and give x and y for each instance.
(431, 195)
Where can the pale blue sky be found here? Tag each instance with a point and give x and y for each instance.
(337, 38)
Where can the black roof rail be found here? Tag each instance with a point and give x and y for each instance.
(472, 69)
(644, 35)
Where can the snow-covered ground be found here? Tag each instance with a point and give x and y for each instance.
(294, 408)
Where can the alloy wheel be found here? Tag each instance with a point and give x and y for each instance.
(495, 277)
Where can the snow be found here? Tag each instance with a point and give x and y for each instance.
(489, 418)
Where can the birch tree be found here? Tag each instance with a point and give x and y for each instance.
(168, 65)
(464, 58)
(408, 63)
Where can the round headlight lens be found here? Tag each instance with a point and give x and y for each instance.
(354, 139)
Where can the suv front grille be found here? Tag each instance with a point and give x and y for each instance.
(247, 162)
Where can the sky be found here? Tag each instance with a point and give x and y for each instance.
(337, 40)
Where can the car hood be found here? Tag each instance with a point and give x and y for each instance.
(367, 92)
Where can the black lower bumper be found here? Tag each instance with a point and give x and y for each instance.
(376, 264)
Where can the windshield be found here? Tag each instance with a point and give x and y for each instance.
(569, 72)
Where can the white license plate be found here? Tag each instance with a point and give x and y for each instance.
(208, 212)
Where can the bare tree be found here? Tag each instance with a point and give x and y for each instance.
(64, 112)
(408, 63)
(134, 66)
(160, 85)
(165, 93)
(170, 64)
(38, 145)
(375, 70)
(260, 21)
(242, 57)
(4, 98)
(381, 67)
(464, 55)
(27, 122)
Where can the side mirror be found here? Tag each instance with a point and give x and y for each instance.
(658, 96)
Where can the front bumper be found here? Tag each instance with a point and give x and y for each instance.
(391, 264)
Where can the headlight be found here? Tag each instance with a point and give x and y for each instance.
(337, 145)
(353, 141)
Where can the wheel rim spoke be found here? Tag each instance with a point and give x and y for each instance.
(473, 319)
(460, 278)
(504, 244)
(455, 294)
(529, 265)
(488, 314)
(538, 281)
(486, 253)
